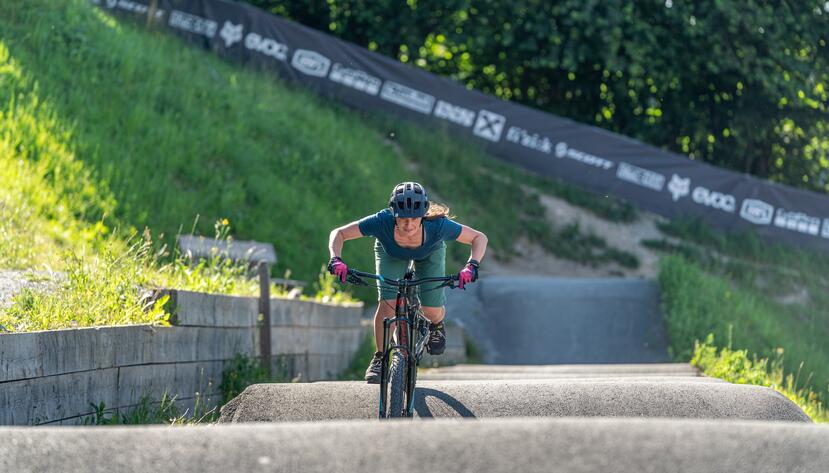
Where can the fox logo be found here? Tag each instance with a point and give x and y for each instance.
(231, 33)
(679, 187)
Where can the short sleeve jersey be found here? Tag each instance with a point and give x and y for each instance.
(435, 232)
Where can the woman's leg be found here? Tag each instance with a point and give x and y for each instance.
(433, 300)
(392, 268)
(385, 310)
(435, 314)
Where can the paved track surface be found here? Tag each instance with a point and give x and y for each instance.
(489, 445)
(608, 397)
(662, 371)
(544, 320)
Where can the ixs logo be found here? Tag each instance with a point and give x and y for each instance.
(231, 33)
(454, 113)
(714, 199)
(757, 211)
(679, 187)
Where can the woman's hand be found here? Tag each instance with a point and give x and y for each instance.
(338, 268)
(468, 274)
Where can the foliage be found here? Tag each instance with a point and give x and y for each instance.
(165, 411)
(485, 192)
(735, 366)
(741, 84)
(167, 132)
(100, 289)
(697, 302)
(357, 368)
(239, 373)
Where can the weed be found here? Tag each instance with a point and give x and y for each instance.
(735, 366)
(147, 411)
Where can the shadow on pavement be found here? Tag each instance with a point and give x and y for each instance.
(422, 409)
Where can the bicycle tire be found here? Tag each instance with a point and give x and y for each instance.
(397, 384)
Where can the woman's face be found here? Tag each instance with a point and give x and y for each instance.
(408, 226)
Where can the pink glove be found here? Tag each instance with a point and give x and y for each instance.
(338, 268)
(468, 274)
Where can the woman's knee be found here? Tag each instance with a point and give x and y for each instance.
(434, 314)
(385, 308)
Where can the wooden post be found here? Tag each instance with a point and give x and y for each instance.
(265, 310)
(153, 7)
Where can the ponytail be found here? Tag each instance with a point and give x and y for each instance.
(436, 211)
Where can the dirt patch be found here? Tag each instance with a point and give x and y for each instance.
(12, 282)
(533, 259)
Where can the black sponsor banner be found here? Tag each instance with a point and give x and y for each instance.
(662, 182)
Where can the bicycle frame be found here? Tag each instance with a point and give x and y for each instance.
(409, 323)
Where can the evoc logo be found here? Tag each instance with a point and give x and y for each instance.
(231, 33)
(714, 199)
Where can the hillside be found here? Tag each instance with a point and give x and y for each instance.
(115, 130)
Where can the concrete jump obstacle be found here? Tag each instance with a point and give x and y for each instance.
(476, 372)
(611, 397)
(449, 445)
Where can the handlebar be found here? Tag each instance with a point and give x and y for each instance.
(354, 278)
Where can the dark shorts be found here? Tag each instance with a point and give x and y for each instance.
(433, 266)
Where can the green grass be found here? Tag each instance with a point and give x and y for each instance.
(147, 411)
(698, 301)
(112, 136)
(500, 199)
(735, 366)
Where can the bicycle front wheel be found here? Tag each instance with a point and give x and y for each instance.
(397, 384)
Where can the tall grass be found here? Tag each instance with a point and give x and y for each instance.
(698, 302)
(735, 366)
(147, 411)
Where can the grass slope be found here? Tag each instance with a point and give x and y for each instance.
(153, 133)
(767, 299)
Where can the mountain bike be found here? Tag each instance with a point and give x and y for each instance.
(403, 350)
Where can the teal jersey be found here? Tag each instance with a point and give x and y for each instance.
(435, 232)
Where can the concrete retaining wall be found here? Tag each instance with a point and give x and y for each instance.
(54, 376)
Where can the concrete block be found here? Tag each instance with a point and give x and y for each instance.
(235, 311)
(19, 356)
(48, 399)
(194, 308)
(178, 379)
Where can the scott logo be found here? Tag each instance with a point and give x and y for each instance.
(757, 211)
(714, 199)
(231, 33)
(679, 187)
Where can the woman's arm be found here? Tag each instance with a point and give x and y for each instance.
(340, 235)
(473, 237)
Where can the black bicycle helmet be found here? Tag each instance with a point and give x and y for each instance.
(409, 200)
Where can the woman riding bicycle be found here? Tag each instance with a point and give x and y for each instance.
(411, 228)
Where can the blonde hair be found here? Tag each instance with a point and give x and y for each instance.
(437, 210)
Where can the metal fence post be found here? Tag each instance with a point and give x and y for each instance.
(265, 310)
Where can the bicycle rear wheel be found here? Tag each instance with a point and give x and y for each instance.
(397, 384)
